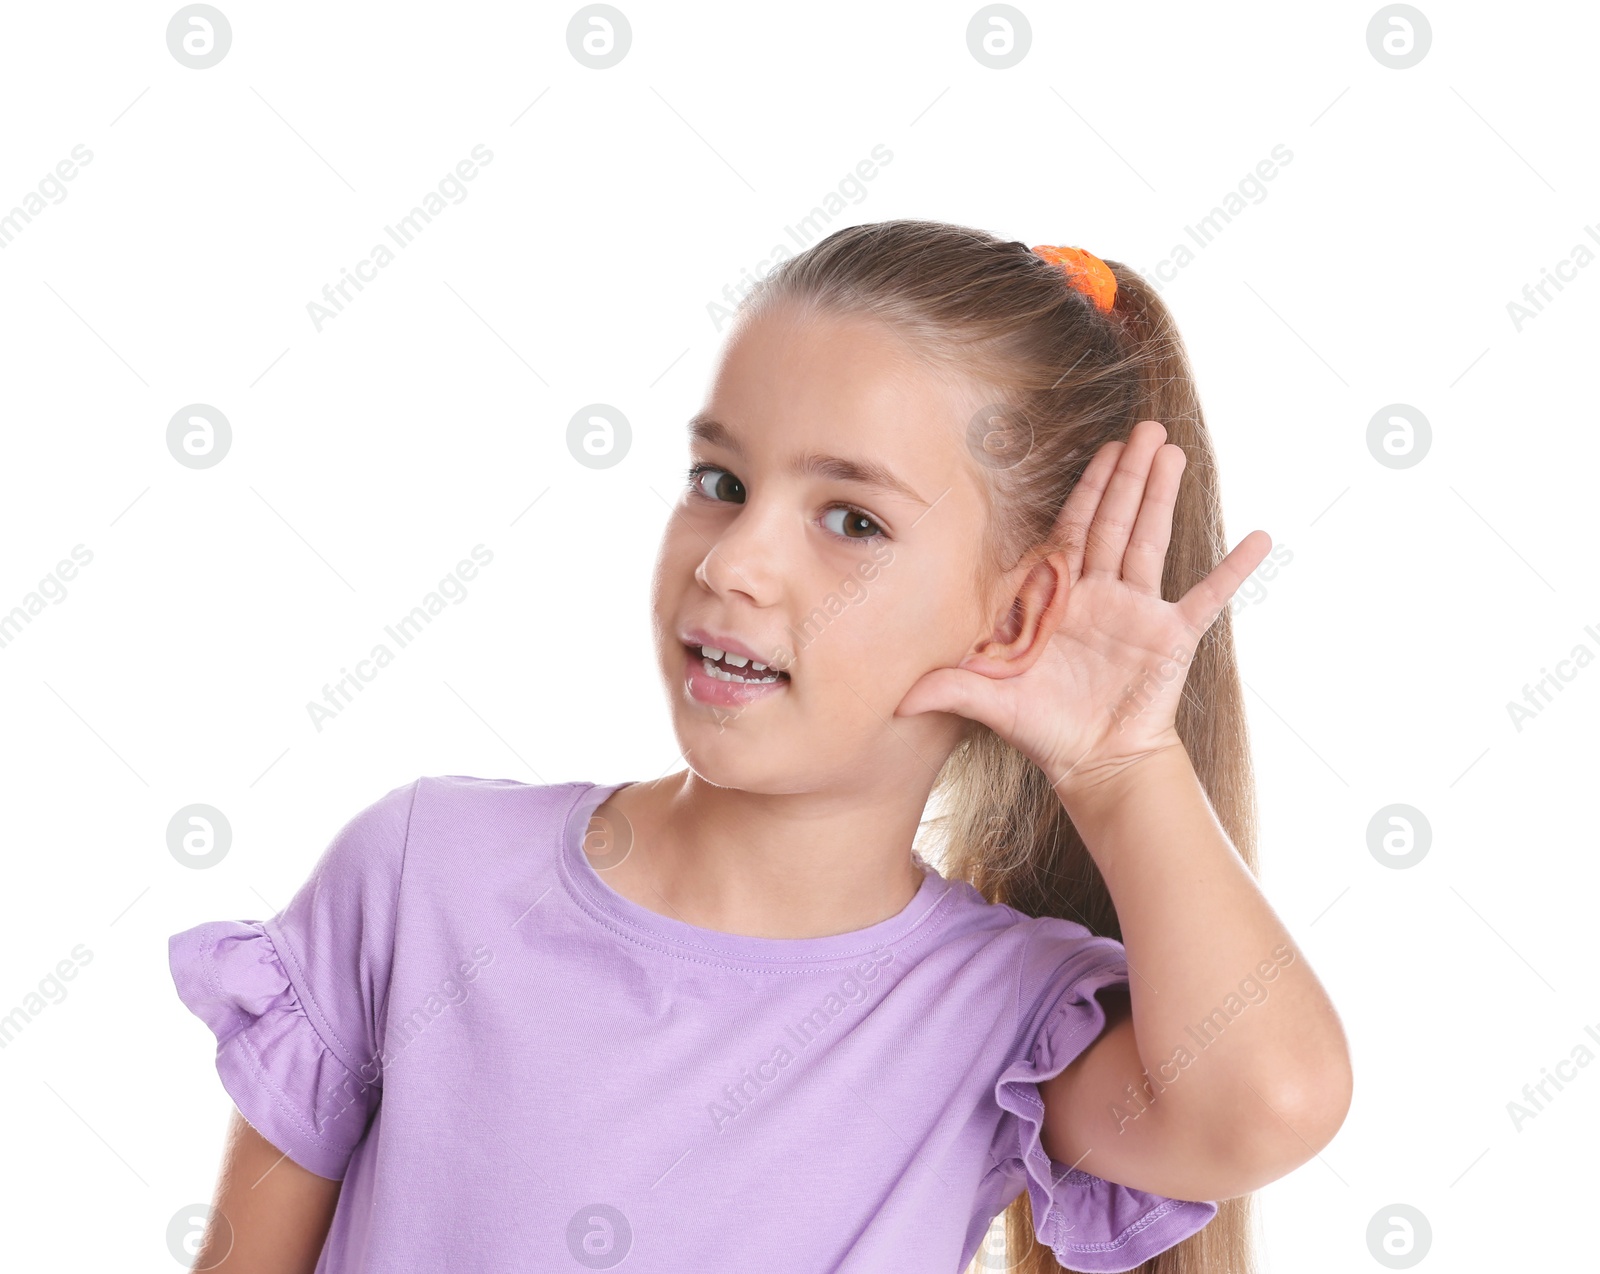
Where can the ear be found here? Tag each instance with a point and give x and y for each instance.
(1035, 597)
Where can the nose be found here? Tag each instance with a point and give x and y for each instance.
(747, 558)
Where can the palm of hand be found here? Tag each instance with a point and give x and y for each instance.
(1104, 684)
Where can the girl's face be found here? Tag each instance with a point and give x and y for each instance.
(830, 529)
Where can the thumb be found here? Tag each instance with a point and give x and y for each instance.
(969, 694)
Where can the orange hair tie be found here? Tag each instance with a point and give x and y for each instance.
(1086, 272)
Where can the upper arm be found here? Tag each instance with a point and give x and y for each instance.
(269, 1215)
(1086, 1104)
(1100, 1116)
(1105, 1110)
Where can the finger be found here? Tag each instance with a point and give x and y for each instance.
(1107, 539)
(957, 690)
(1142, 564)
(1072, 523)
(1201, 605)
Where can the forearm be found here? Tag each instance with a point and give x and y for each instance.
(1237, 1038)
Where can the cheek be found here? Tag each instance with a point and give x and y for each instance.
(878, 636)
(681, 550)
(923, 603)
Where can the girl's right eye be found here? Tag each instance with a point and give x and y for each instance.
(698, 471)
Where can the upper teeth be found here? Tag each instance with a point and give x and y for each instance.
(711, 655)
(738, 661)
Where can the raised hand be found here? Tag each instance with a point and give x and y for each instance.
(1100, 687)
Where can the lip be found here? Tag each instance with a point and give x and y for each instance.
(700, 637)
(703, 688)
(706, 689)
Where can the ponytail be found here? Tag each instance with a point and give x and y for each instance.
(1005, 829)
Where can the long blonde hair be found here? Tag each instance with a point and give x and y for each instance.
(1067, 378)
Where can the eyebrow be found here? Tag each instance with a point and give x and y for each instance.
(866, 473)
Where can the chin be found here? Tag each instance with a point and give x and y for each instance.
(727, 761)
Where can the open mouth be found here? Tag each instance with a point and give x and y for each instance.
(723, 665)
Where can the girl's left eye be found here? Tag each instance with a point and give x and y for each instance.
(855, 524)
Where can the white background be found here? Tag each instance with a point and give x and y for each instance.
(369, 457)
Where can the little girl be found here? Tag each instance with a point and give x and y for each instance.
(952, 529)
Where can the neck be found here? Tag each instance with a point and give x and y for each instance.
(786, 865)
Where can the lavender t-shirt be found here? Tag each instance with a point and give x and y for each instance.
(513, 1067)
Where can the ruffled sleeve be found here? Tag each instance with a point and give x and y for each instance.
(296, 1002)
(1090, 1224)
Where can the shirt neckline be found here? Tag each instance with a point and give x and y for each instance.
(716, 946)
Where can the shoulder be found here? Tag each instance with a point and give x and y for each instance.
(1038, 957)
(1053, 950)
(502, 827)
(1062, 968)
(437, 844)
(1048, 958)
(370, 844)
(449, 816)
(1034, 941)
(457, 806)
